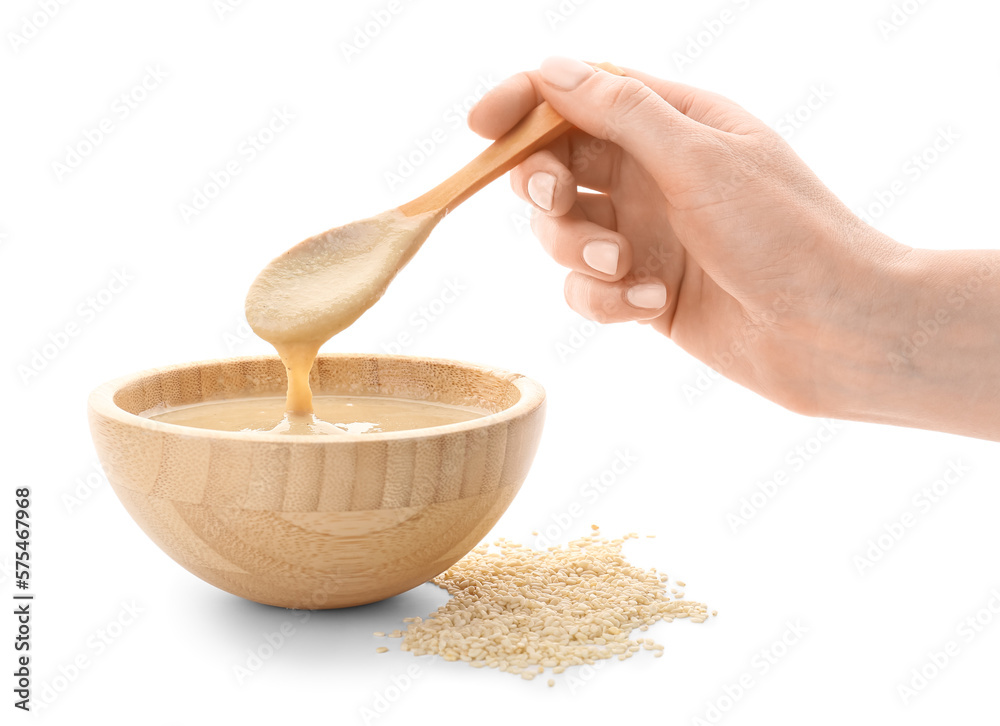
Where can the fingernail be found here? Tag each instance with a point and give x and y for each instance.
(542, 189)
(565, 73)
(601, 255)
(649, 295)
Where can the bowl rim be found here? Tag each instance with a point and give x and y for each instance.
(101, 401)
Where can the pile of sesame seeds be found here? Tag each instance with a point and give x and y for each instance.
(523, 611)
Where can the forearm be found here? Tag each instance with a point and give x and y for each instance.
(928, 355)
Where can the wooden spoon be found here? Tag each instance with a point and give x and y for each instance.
(540, 127)
(323, 284)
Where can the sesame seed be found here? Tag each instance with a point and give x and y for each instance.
(382, 649)
(552, 682)
(521, 610)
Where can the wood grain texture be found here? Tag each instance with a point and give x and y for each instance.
(326, 521)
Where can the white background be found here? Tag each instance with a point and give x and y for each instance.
(621, 388)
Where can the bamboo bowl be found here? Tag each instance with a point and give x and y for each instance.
(325, 521)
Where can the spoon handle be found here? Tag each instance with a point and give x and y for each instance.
(539, 127)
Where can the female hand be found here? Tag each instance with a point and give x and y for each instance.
(702, 222)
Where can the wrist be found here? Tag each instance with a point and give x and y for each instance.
(837, 342)
(923, 349)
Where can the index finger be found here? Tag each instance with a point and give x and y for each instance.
(504, 105)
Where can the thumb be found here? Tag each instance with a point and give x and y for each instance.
(627, 112)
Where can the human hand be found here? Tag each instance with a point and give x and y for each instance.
(702, 222)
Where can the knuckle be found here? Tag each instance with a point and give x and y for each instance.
(628, 95)
(576, 292)
(604, 306)
(760, 147)
(517, 182)
(599, 314)
(563, 246)
(625, 98)
(538, 225)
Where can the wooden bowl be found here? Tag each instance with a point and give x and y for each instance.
(318, 521)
